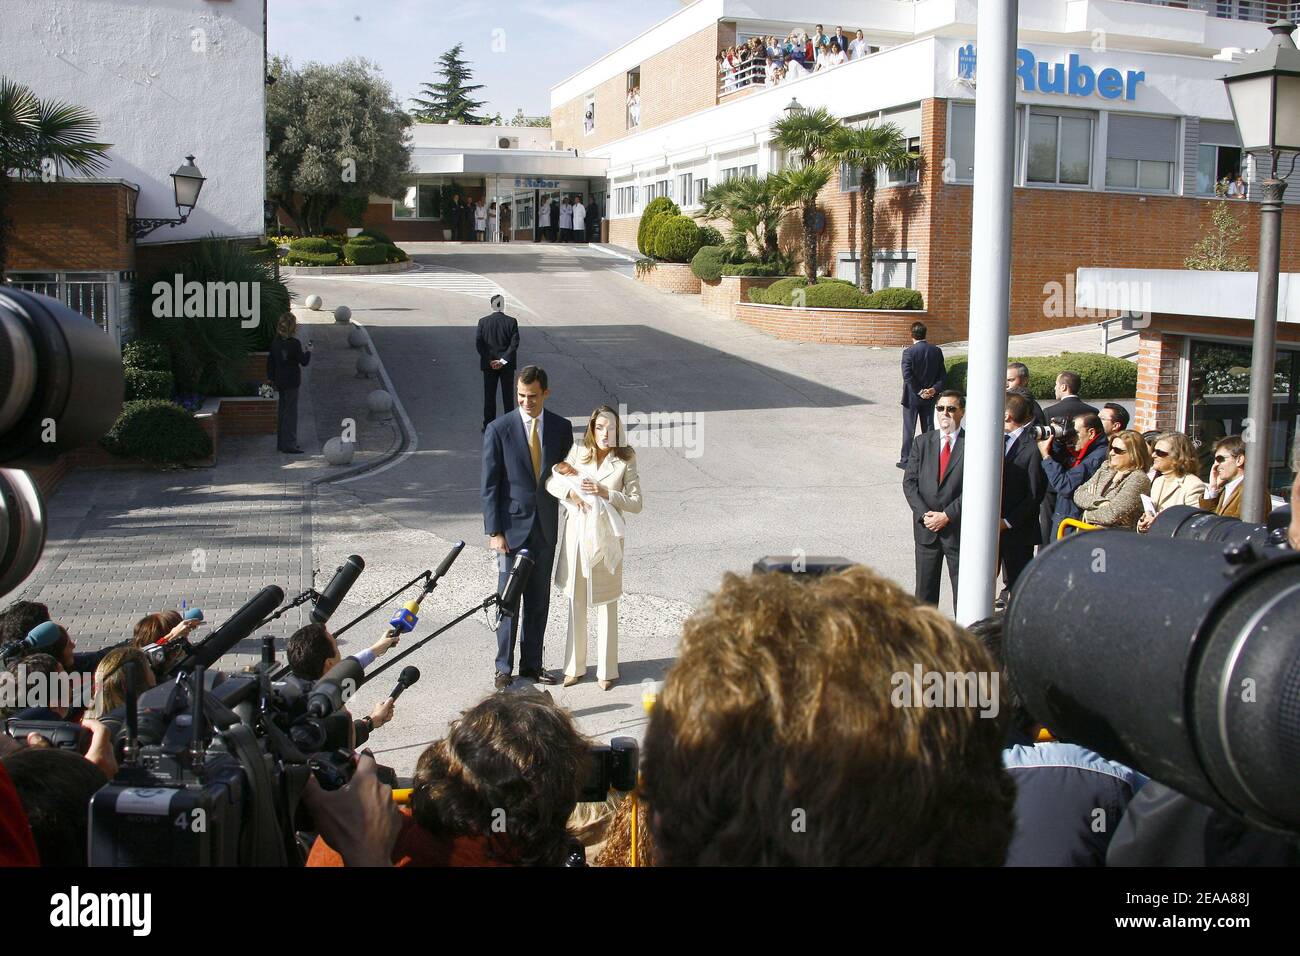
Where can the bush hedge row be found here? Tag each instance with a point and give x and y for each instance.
(157, 430)
(148, 383)
(1104, 376)
(295, 258)
(832, 294)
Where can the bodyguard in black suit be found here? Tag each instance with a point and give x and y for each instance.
(519, 450)
(932, 485)
(1023, 488)
(497, 342)
(924, 377)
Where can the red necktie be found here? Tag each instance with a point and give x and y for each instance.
(944, 456)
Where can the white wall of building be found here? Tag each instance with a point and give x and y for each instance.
(165, 78)
(456, 136)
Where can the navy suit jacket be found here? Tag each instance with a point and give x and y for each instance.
(922, 368)
(513, 498)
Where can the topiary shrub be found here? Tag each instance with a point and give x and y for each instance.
(902, 299)
(366, 255)
(148, 383)
(146, 355)
(374, 234)
(314, 244)
(832, 294)
(708, 262)
(659, 206)
(778, 293)
(751, 269)
(312, 259)
(1104, 376)
(157, 431)
(360, 240)
(676, 239)
(710, 236)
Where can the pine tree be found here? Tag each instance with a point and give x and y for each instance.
(450, 99)
(1214, 251)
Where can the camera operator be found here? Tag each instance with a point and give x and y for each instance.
(497, 791)
(1067, 468)
(312, 651)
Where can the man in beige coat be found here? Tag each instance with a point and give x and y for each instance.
(597, 484)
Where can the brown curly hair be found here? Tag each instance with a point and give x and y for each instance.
(510, 769)
(775, 740)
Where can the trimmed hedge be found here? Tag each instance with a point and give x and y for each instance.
(708, 262)
(360, 240)
(900, 299)
(709, 236)
(1104, 376)
(157, 431)
(148, 383)
(397, 255)
(312, 258)
(313, 244)
(764, 269)
(374, 234)
(147, 356)
(657, 207)
(834, 295)
(778, 293)
(366, 255)
(676, 239)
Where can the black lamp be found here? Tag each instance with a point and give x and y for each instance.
(187, 183)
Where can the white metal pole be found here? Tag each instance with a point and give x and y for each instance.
(990, 300)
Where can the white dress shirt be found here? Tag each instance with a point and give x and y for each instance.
(1225, 490)
(858, 48)
(527, 421)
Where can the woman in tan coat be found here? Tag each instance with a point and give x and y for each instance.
(1176, 481)
(597, 484)
(1112, 498)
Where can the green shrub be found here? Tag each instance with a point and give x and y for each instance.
(147, 356)
(901, 299)
(751, 269)
(314, 244)
(366, 255)
(778, 293)
(376, 235)
(830, 294)
(708, 262)
(710, 236)
(1103, 376)
(312, 259)
(677, 239)
(143, 384)
(396, 255)
(360, 240)
(659, 206)
(157, 431)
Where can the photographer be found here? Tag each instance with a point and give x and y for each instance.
(497, 791)
(1067, 468)
(312, 651)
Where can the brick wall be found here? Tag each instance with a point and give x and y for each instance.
(247, 416)
(70, 226)
(836, 326)
(723, 295)
(675, 277)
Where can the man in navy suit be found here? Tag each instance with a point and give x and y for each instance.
(1023, 487)
(519, 450)
(924, 377)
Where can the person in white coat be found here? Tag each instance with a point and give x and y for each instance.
(579, 220)
(598, 484)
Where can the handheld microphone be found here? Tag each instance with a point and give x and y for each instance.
(239, 626)
(332, 691)
(404, 621)
(410, 674)
(193, 614)
(327, 601)
(509, 598)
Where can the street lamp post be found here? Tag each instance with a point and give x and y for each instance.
(187, 183)
(1264, 91)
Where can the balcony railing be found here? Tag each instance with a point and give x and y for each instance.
(1258, 11)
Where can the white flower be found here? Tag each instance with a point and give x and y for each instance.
(266, 391)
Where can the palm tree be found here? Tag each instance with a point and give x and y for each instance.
(866, 149)
(33, 131)
(805, 132)
(800, 187)
(754, 209)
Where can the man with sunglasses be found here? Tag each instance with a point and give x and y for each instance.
(1223, 494)
(932, 484)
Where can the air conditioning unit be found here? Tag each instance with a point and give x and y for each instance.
(508, 142)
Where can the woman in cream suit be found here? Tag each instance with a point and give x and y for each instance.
(597, 484)
(1175, 482)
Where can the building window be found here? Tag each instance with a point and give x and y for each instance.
(701, 187)
(93, 294)
(894, 270)
(405, 208)
(625, 201)
(634, 98)
(664, 188)
(908, 175)
(1060, 148)
(750, 171)
(685, 192)
(961, 142)
(423, 201)
(729, 173)
(850, 178)
(1141, 152)
(589, 115)
(1218, 158)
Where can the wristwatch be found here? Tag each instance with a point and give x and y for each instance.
(370, 723)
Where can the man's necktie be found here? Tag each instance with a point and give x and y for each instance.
(535, 448)
(1006, 445)
(944, 457)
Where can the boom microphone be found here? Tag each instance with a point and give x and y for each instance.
(238, 627)
(410, 674)
(509, 599)
(328, 601)
(332, 691)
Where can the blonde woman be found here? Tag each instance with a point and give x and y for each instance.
(597, 484)
(1112, 497)
(1176, 481)
(284, 364)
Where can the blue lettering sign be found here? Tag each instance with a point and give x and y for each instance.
(1072, 78)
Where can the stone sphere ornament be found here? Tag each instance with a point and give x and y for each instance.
(367, 365)
(339, 452)
(356, 337)
(313, 303)
(342, 314)
(380, 401)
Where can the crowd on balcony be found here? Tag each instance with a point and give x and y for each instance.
(771, 60)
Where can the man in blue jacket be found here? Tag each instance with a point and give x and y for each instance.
(924, 377)
(1068, 468)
